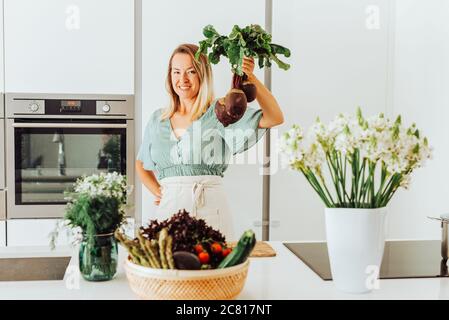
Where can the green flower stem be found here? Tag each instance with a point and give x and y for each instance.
(327, 190)
(394, 188)
(355, 170)
(313, 177)
(384, 175)
(363, 183)
(334, 174)
(317, 189)
(372, 170)
(392, 193)
(342, 178)
(392, 185)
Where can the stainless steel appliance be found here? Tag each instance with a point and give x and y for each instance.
(444, 219)
(53, 139)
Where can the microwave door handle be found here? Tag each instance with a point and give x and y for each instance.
(70, 125)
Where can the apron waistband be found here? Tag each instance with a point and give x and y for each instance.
(197, 184)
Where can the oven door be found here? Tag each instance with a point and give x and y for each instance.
(45, 158)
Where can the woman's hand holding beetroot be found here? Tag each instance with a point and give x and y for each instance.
(240, 47)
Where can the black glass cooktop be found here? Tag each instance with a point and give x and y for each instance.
(402, 259)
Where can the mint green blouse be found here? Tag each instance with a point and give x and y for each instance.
(204, 149)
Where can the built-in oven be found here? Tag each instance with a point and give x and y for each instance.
(52, 140)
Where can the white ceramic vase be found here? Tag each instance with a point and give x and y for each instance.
(355, 242)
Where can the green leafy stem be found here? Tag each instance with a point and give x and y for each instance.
(251, 41)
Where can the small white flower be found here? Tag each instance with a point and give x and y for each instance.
(376, 139)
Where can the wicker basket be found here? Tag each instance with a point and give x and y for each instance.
(159, 284)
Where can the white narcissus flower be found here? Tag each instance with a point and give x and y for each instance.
(405, 181)
(290, 144)
(377, 139)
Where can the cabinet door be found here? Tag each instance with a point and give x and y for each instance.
(164, 28)
(2, 234)
(34, 232)
(338, 60)
(69, 46)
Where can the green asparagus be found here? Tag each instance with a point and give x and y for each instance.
(162, 245)
(169, 253)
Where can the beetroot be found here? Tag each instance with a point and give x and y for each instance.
(250, 91)
(235, 103)
(222, 116)
(242, 83)
(232, 108)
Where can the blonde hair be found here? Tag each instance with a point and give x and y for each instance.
(206, 92)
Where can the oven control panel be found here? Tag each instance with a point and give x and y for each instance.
(88, 106)
(34, 107)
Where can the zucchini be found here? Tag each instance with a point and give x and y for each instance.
(241, 252)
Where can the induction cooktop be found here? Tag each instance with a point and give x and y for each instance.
(402, 259)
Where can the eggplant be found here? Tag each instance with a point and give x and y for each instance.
(185, 260)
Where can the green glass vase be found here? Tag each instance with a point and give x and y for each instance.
(98, 257)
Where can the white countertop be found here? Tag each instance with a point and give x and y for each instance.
(281, 277)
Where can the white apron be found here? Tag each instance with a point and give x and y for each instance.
(202, 196)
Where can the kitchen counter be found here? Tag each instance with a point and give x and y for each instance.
(280, 277)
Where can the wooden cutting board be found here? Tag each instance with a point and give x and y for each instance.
(261, 249)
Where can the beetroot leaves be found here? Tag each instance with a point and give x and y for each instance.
(251, 41)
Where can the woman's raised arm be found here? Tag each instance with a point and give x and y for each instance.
(271, 112)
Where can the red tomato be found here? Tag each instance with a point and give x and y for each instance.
(204, 257)
(199, 248)
(226, 252)
(216, 248)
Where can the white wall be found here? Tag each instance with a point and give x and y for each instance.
(421, 95)
(164, 28)
(338, 62)
(69, 46)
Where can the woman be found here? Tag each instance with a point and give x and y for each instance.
(189, 149)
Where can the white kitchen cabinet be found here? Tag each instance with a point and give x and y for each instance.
(2, 233)
(339, 60)
(34, 232)
(164, 28)
(69, 46)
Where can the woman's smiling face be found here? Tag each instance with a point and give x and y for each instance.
(184, 78)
